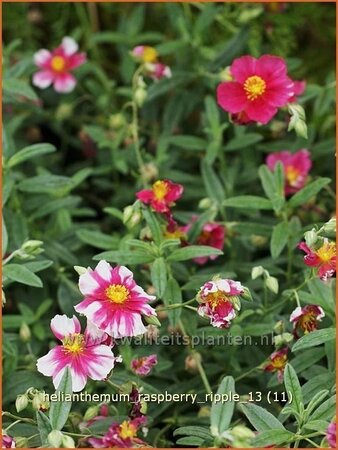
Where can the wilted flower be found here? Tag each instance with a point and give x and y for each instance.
(158, 70)
(296, 168)
(220, 301)
(83, 354)
(331, 434)
(55, 66)
(161, 196)
(324, 258)
(142, 366)
(306, 318)
(145, 53)
(113, 301)
(259, 87)
(7, 441)
(277, 362)
(122, 435)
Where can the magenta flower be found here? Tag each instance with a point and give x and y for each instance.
(55, 66)
(122, 435)
(323, 258)
(113, 301)
(7, 441)
(306, 318)
(212, 234)
(331, 434)
(296, 168)
(219, 300)
(157, 70)
(161, 196)
(142, 366)
(259, 87)
(277, 363)
(85, 356)
(298, 89)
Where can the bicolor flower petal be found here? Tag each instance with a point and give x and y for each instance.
(113, 301)
(157, 70)
(162, 195)
(306, 318)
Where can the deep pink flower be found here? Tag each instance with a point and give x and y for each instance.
(7, 441)
(157, 70)
(219, 300)
(296, 168)
(212, 234)
(113, 301)
(306, 318)
(298, 89)
(161, 196)
(142, 366)
(84, 355)
(122, 435)
(331, 434)
(55, 66)
(277, 363)
(324, 258)
(259, 87)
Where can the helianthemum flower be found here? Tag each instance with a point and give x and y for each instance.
(323, 258)
(145, 53)
(296, 168)
(299, 88)
(122, 435)
(142, 366)
(7, 441)
(55, 66)
(306, 318)
(157, 70)
(258, 88)
(113, 301)
(220, 301)
(331, 434)
(162, 195)
(277, 362)
(85, 357)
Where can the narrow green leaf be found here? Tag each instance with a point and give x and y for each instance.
(308, 192)
(173, 295)
(260, 418)
(153, 224)
(273, 438)
(244, 141)
(193, 251)
(279, 239)
(18, 88)
(314, 338)
(30, 152)
(212, 183)
(326, 410)
(44, 427)
(125, 257)
(188, 142)
(221, 413)
(159, 276)
(59, 411)
(248, 202)
(20, 273)
(293, 389)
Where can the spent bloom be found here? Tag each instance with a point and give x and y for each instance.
(277, 363)
(220, 301)
(162, 195)
(296, 168)
(142, 366)
(323, 258)
(56, 66)
(113, 301)
(122, 435)
(7, 441)
(258, 88)
(331, 434)
(306, 318)
(157, 70)
(83, 354)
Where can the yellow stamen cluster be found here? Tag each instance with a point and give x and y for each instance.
(149, 55)
(58, 63)
(326, 252)
(160, 189)
(127, 430)
(291, 174)
(254, 87)
(279, 362)
(117, 293)
(74, 343)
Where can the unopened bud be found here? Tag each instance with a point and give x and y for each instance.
(144, 407)
(282, 339)
(205, 203)
(55, 438)
(257, 272)
(91, 412)
(272, 284)
(21, 442)
(149, 171)
(258, 241)
(39, 402)
(279, 327)
(311, 237)
(25, 333)
(21, 402)
(117, 121)
(192, 362)
(152, 332)
(80, 270)
(64, 111)
(330, 226)
(30, 248)
(67, 442)
(140, 96)
(225, 75)
(152, 320)
(204, 412)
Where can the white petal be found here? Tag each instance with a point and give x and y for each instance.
(69, 45)
(79, 380)
(41, 57)
(46, 364)
(321, 314)
(296, 314)
(125, 273)
(87, 283)
(104, 361)
(43, 79)
(137, 327)
(62, 326)
(223, 285)
(104, 269)
(58, 377)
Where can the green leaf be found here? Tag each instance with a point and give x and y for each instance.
(308, 192)
(193, 441)
(46, 184)
(314, 338)
(30, 152)
(248, 202)
(59, 411)
(18, 87)
(271, 182)
(173, 295)
(212, 184)
(154, 225)
(44, 427)
(188, 142)
(159, 276)
(293, 389)
(273, 438)
(125, 257)
(326, 410)
(260, 418)
(197, 431)
(221, 413)
(193, 251)
(97, 239)
(21, 274)
(244, 141)
(279, 239)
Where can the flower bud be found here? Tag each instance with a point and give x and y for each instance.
(225, 75)
(64, 111)
(192, 362)
(67, 442)
(80, 270)
(21, 402)
(283, 339)
(330, 226)
(256, 272)
(272, 284)
(152, 332)
(91, 412)
(258, 241)
(21, 442)
(149, 171)
(279, 327)
(25, 332)
(55, 438)
(117, 121)
(140, 96)
(204, 411)
(311, 237)
(39, 402)
(30, 249)
(144, 407)
(205, 203)
(152, 320)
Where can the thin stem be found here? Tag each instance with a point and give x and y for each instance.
(202, 373)
(176, 305)
(12, 425)
(113, 385)
(22, 419)
(247, 373)
(312, 443)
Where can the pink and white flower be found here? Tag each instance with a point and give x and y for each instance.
(220, 301)
(142, 366)
(258, 88)
(296, 168)
(113, 301)
(157, 70)
(331, 434)
(86, 357)
(7, 441)
(323, 258)
(55, 66)
(306, 318)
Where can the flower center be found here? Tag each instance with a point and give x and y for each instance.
(117, 293)
(291, 174)
(214, 299)
(58, 63)
(308, 322)
(149, 55)
(254, 87)
(279, 362)
(326, 252)
(160, 189)
(127, 430)
(74, 343)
